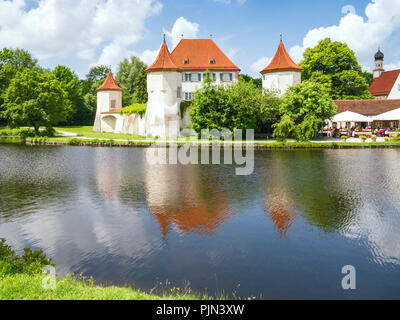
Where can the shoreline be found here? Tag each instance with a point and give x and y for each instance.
(288, 145)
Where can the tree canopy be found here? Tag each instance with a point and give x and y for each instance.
(333, 63)
(237, 106)
(303, 110)
(35, 98)
(130, 71)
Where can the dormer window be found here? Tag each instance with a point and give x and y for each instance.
(186, 61)
(212, 61)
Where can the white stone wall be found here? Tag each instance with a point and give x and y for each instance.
(162, 114)
(104, 99)
(280, 81)
(395, 93)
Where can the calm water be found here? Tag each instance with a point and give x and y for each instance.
(284, 232)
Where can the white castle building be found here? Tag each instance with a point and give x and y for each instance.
(174, 77)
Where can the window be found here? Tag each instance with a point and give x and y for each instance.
(188, 77)
(214, 76)
(212, 61)
(179, 92)
(225, 77)
(188, 96)
(186, 61)
(113, 104)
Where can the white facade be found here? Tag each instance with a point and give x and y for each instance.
(395, 93)
(163, 107)
(280, 80)
(108, 100)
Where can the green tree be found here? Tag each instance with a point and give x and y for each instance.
(140, 95)
(35, 99)
(335, 64)
(12, 62)
(94, 79)
(303, 109)
(70, 84)
(238, 106)
(257, 82)
(369, 77)
(129, 70)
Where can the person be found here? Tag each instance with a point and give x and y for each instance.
(387, 132)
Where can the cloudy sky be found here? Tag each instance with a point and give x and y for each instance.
(84, 33)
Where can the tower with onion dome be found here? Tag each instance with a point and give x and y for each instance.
(164, 85)
(379, 56)
(282, 72)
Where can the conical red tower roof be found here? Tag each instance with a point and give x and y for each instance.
(109, 84)
(282, 62)
(163, 61)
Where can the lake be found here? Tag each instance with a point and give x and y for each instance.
(284, 232)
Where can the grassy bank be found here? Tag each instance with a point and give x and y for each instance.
(87, 131)
(21, 278)
(29, 287)
(86, 137)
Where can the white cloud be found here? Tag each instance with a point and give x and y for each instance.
(182, 27)
(260, 64)
(364, 36)
(76, 28)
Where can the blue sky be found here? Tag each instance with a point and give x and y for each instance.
(84, 33)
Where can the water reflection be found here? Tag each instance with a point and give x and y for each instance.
(177, 199)
(107, 213)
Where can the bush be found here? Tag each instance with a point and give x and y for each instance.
(136, 108)
(31, 262)
(75, 142)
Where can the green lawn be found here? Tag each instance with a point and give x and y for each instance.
(27, 287)
(87, 131)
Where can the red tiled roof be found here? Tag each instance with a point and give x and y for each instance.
(109, 84)
(281, 62)
(163, 61)
(367, 107)
(383, 85)
(198, 53)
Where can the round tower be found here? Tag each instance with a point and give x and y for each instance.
(164, 86)
(379, 56)
(109, 102)
(282, 72)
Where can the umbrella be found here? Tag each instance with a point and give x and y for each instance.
(349, 116)
(388, 116)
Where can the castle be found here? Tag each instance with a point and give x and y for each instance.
(173, 78)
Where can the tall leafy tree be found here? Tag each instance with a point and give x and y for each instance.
(35, 99)
(128, 72)
(238, 106)
(335, 64)
(12, 62)
(94, 79)
(303, 109)
(141, 95)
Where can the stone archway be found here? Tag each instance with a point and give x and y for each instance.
(108, 124)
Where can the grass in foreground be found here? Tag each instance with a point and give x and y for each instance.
(87, 131)
(29, 287)
(21, 278)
